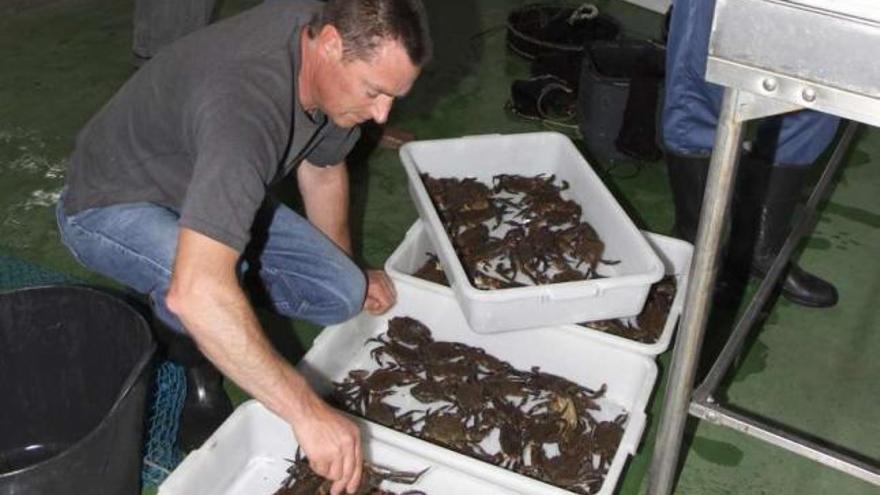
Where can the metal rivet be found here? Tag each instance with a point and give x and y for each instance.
(809, 94)
(770, 84)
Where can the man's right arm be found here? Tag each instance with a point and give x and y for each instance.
(205, 294)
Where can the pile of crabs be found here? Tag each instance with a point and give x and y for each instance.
(544, 241)
(518, 231)
(460, 397)
(301, 480)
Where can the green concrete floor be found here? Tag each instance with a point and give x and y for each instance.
(815, 370)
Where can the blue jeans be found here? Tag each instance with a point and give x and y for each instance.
(303, 274)
(692, 105)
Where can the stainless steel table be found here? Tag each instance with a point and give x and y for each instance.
(772, 57)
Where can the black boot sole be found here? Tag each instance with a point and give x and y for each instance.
(807, 302)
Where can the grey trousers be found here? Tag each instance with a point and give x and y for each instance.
(160, 22)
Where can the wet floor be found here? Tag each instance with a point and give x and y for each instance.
(814, 369)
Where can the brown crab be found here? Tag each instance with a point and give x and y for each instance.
(606, 438)
(301, 480)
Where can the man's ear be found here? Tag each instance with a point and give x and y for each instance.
(330, 43)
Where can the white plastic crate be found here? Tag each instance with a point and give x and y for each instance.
(248, 455)
(621, 294)
(629, 376)
(675, 254)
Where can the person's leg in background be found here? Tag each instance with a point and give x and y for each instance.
(690, 111)
(766, 196)
(160, 22)
(773, 176)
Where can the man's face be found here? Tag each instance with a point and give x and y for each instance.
(351, 91)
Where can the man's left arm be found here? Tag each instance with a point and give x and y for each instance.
(324, 191)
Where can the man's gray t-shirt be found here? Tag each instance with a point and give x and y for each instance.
(207, 125)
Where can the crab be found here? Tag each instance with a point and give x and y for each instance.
(301, 480)
(432, 271)
(409, 331)
(606, 438)
(394, 352)
(361, 387)
(518, 184)
(449, 429)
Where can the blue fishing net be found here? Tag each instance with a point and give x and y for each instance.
(16, 274)
(161, 453)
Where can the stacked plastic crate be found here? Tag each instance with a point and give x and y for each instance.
(532, 326)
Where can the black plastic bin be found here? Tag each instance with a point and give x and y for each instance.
(75, 365)
(540, 28)
(608, 71)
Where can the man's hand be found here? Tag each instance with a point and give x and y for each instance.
(332, 444)
(380, 292)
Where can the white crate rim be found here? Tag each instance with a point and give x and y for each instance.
(461, 285)
(181, 480)
(673, 248)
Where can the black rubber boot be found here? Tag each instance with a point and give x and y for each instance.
(762, 220)
(205, 408)
(206, 405)
(687, 179)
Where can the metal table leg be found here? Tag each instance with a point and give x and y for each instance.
(752, 313)
(716, 201)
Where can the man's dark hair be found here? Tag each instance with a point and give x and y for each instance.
(364, 24)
